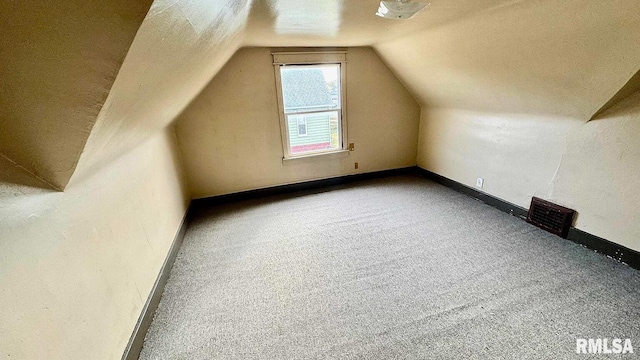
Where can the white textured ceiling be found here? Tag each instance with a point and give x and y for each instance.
(346, 22)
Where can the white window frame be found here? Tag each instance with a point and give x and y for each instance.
(312, 58)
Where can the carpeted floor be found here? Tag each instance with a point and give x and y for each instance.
(397, 268)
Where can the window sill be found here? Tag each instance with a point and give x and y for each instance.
(315, 157)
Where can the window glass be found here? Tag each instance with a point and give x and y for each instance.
(311, 102)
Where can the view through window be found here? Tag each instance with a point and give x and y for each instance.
(311, 98)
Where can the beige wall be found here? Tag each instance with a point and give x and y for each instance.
(230, 135)
(599, 174)
(592, 167)
(77, 266)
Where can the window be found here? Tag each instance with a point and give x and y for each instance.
(310, 88)
(302, 125)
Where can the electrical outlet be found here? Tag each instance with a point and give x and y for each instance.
(355, 165)
(479, 182)
(351, 146)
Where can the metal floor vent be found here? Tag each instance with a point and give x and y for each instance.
(554, 218)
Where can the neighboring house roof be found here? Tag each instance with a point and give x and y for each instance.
(304, 88)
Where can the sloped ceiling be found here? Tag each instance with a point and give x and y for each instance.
(64, 111)
(547, 57)
(179, 48)
(60, 60)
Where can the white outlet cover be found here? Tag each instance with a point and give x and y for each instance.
(479, 182)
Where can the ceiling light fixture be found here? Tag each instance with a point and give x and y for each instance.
(400, 9)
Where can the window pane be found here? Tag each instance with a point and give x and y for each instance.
(322, 132)
(302, 125)
(310, 87)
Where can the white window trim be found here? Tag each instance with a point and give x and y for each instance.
(312, 58)
(336, 154)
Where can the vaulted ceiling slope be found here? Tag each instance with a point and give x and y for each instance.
(60, 97)
(180, 46)
(565, 58)
(60, 60)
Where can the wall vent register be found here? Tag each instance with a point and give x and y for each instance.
(551, 217)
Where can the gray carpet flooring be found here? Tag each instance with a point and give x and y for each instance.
(396, 268)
